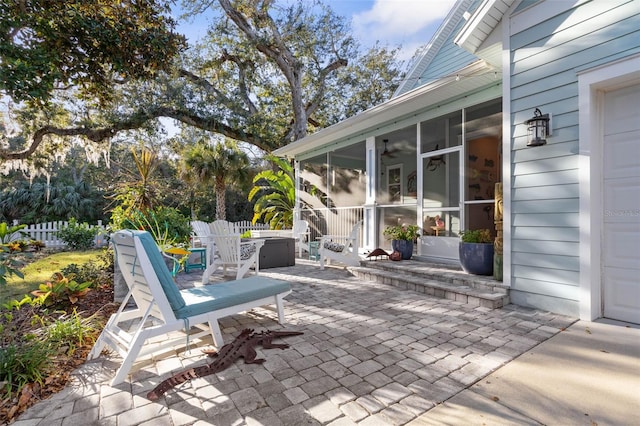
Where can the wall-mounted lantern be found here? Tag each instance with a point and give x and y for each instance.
(538, 128)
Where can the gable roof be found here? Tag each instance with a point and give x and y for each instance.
(410, 98)
(481, 24)
(429, 52)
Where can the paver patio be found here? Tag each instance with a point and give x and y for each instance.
(371, 354)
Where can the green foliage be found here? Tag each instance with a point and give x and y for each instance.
(40, 202)
(267, 73)
(139, 189)
(85, 272)
(60, 291)
(99, 272)
(42, 269)
(10, 264)
(402, 232)
(71, 332)
(476, 236)
(275, 193)
(86, 44)
(7, 231)
(24, 363)
(25, 301)
(78, 236)
(167, 225)
(219, 165)
(27, 357)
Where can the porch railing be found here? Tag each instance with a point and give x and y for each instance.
(332, 221)
(246, 225)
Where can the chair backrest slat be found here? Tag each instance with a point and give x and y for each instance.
(227, 241)
(146, 274)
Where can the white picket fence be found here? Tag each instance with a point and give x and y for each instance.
(246, 225)
(47, 233)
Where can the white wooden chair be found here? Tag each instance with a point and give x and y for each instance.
(343, 249)
(301, 235)
(202, 232)
(161, 308)
(232, 252)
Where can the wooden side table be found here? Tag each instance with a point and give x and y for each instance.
(201, 263)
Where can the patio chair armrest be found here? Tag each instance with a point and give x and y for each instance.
(258, 243)
(336, 238)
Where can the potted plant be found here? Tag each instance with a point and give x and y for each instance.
(402, 238)
(476, 252)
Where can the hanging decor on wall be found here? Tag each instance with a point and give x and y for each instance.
(435, 162)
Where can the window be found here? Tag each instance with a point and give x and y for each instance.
(394, 183)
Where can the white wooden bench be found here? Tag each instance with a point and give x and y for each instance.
(162, 308)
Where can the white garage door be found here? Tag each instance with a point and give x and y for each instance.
(621, 205)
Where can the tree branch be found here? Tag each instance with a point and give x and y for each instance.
(135, 121)
(317, 98)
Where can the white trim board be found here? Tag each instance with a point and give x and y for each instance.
(592, 84)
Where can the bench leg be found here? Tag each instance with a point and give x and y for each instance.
(216, 334)
(280, 307)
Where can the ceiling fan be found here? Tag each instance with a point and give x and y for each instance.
(386, 152)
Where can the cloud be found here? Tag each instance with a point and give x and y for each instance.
(398, 21)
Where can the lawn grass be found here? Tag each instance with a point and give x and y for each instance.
(41, 270)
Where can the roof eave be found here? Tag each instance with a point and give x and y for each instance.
(480, 25)
(385, 112)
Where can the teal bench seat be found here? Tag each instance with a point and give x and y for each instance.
(213, 297)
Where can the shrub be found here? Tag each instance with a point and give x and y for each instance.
(71, 332)
(99, 272)
(24, 363)
(60, 291)
(476, 236)
(6, 231)
(10, 264)
(168, 226)
(29, 357)
(402, 232)
(78, 236)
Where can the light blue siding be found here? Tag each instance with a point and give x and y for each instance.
(545, 59)
(443, 57)
(448, 60)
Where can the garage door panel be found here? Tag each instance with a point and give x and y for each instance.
(619, 116)
(622, 155)
(621, 205)
(622, 247)
(622, 295)
(622, 200)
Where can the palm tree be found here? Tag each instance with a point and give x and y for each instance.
(221, 164)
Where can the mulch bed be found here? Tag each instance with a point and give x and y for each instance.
(97, 301)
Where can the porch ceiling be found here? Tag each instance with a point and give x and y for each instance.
(472, 77)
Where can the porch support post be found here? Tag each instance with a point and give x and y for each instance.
(369, 236)
(419, 181)
(297, 206)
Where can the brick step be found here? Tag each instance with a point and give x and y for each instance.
(440, 280)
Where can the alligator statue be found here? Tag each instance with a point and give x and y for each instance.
(242, 347)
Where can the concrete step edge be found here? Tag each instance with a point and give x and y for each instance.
(468, 296)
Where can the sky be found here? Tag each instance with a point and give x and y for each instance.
(406, 23)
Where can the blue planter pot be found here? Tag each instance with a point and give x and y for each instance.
(476, 258)
(404, 247)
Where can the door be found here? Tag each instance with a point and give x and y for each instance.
(621, 205)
